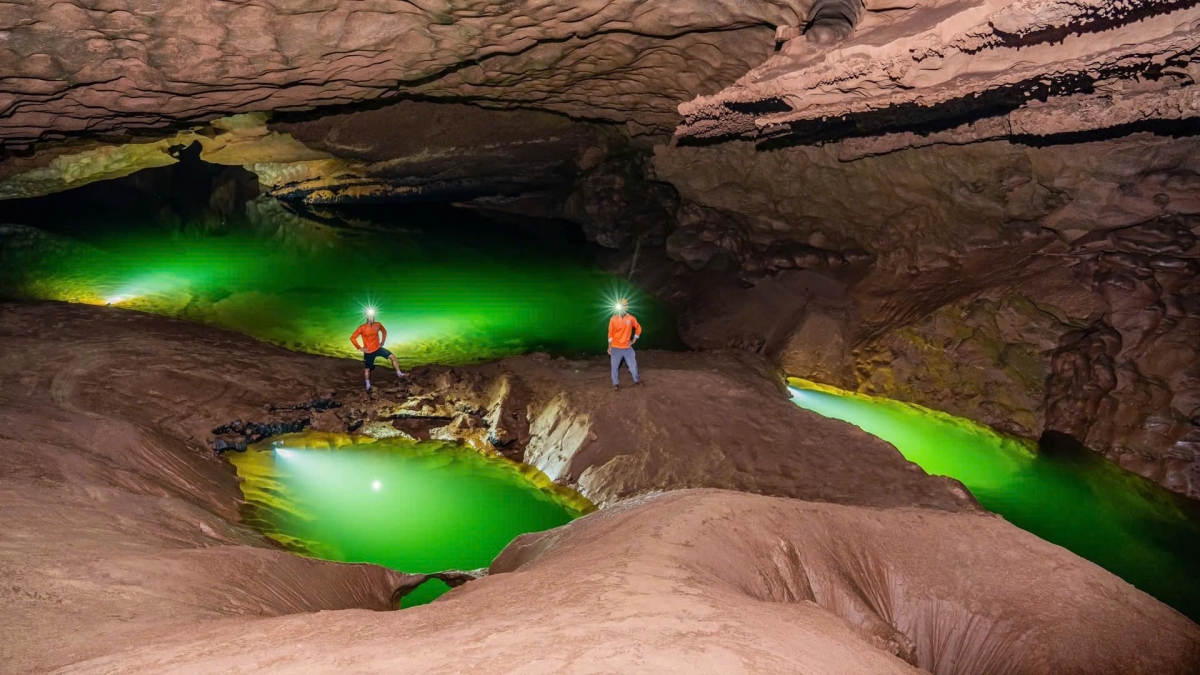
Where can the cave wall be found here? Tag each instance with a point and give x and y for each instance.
(1032, 288)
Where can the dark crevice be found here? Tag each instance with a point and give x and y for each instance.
(1093, 23)
(767, 106)
(925, 120)
(1172, 128)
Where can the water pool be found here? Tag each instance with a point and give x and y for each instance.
(1067, 495)
(450, 287)
(412, 506)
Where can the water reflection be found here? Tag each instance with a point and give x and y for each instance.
(1062, 492)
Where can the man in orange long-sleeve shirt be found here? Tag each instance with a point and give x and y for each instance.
(623, 331)
(373, 335)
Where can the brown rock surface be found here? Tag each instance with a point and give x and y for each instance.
(118, 523)
(984, 257)
(76, 67)
(1046, 66)
(114, 510)
(711, 420)
(711, 581)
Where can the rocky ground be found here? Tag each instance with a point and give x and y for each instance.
(121, 552)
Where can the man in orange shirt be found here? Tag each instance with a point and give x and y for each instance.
(373, 336)
(623, 331)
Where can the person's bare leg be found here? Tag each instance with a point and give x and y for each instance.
(396, 365)
(367, 377)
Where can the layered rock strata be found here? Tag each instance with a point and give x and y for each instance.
(1011, 68)
(984, 268)
(75, 68)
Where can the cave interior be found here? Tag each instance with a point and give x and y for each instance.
(919, 282)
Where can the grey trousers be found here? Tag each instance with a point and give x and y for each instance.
(630, 360)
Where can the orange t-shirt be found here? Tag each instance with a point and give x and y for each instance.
(620, 328)
(370, 333)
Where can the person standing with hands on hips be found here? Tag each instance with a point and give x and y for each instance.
(623, 331)
(373, 335)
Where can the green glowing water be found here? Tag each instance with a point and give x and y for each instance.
(452, 292)
(1132, 527)
(411, 506)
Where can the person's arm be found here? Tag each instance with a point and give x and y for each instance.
(637, 329)
(354, 339)
(610, 334)
(382, 335)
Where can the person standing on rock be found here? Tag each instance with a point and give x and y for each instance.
(623, 331)
(373, 335)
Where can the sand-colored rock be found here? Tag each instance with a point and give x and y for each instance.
(719, 582)
(113, 508)
(702, 420)
(118, 523)
(733, 421)
(1012, 68)
(1070, 234)
(76, 68)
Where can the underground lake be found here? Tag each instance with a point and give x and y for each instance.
(1063, 493)
(413, 506)
(451, 287)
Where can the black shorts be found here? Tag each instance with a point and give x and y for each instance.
(369, 357)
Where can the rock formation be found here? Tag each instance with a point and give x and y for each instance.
(714, 581)
(113, 506)
(989, 207)
(968, 72)
(982, 258)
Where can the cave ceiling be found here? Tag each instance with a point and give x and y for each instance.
(1001, 68)
(968, 70)
(97, 89)
(96, 66)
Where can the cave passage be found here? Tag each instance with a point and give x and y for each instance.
(451, 287)
(417, 507)
(1072, 497)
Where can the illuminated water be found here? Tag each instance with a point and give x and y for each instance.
(1072, 497)
(450, 287)
(411, 506)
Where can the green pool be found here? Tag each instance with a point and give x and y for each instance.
(1072, 497)
(449, 286)
(411, 506)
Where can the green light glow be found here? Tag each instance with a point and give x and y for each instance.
(414, 507)
(1132, 527)
(444, 298)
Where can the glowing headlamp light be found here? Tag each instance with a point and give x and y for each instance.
(370, 312)
(620, 305)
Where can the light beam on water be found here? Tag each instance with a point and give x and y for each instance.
(412, 506)
(451, 294)
(1132, 527)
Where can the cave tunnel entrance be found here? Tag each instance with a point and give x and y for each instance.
(189, 195)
